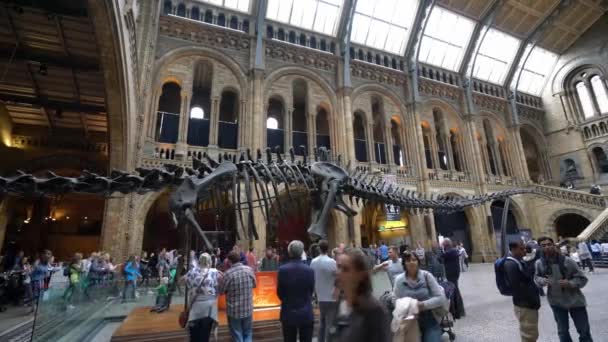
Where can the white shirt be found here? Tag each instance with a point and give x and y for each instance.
(596, 248)
(605, 247)
(325, 277)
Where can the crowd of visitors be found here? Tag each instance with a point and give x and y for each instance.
(338, 282)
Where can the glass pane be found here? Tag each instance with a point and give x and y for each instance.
(241, 5)
(501, 49)
(538, 67)
(450, 34)
(383, 24)
(599, 90)
(317, 15)
(585, 99)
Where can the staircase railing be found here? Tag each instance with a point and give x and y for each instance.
(597, 229)
(573, 196)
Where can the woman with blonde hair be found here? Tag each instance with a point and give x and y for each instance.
(203, 281)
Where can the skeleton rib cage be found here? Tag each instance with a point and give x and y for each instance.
(252, 184)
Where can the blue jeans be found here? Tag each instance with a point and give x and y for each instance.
(581, 322)
(328, 312)
(429, 327)
(240, 329)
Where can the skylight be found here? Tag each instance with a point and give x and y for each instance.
(535, 71)
(445, 39)
(383, 24)
(239, 5)
(316, 15)
(495, 56)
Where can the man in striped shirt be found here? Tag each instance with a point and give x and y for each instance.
(238, 284)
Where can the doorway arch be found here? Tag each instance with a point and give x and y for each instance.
(570, 225)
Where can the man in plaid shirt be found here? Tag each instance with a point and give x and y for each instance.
(238, 284)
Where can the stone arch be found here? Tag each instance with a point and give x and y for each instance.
(550, 222)
(445, 107)
(308, 75)
(381, 91)
(202, 52)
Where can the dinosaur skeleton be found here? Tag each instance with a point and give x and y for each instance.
(325, 181)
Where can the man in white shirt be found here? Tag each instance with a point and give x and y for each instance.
(604, 247)
(325, 280)
(392, 266)
(596, 250)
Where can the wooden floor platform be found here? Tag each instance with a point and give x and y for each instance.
(143, 325)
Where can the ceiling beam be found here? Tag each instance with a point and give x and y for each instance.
(486, 19)
(344, 29)
(417, 31)
(533, 38)
(260, 31)
(65, 106)
(77, 63)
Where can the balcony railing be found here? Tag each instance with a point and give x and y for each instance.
(573, 196)
(31, 142)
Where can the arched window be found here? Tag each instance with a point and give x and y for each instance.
(599, 90)
(208, 17)
(359, 133)
(228, 128)
(167, 121)
(234, 23)
(195, 13)
(601, 160)
(585, 99)
(322, 125)
(167, 8)
(181, 10)
(221, 19)
(197, 112)
(200, 105)
(274, 125)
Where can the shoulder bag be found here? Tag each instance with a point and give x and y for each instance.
(183, 316)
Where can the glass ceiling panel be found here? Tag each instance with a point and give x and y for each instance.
(445, 39)
(239, 5)
(495, 56)
(315, 15)
(383, 24)
(538, 67)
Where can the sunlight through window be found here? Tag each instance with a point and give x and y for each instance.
(599, 89)
(538, 66)
(445, 39)
(239, 5)
(495, 56)
(585, 99)
(316, 15)
(272, 123)
(197, 113)
(383, 25)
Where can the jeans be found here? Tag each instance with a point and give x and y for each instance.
(528, 323)
(129, 291)
(580, 319)
(429, 327)
(200, 329)
(240, 329)
(328, 314)
(291, 332)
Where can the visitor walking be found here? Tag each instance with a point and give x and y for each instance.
(73, 272)
(238, 284)
(252, 260)
(526, 299)
(131, 273)
(325, 269)
(463, 257)
(392, 266)
(361, 318)
(450, 258)
(564, 281)
(203, 281)
(422, 286)
(296, 284)
(596, 250)
(584, 254)
(383, 249)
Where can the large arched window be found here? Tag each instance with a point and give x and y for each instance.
(274, 124)
(599, 90)
(600, 159)
(200, 105)
(585, 99)
(228, 126)
(588, 93)
(359, 132)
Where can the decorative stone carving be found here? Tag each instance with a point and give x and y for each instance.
(206, 35)
(377, 73)
(438, 89)
(300, 55)
(489, 102)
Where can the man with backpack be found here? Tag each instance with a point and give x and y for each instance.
(519, 283)
(564, 281)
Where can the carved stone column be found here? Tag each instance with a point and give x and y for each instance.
(214, 120)
(497, 159)
(243, 122)
(311, 130)
(596, 106)
(520, 163)
(153, 116)
(448, 151)
(371, 151)
(349, 138)
(256, 131)
(288, 136)
(183, 118)
(434, 148)
(388, 149)
(473, 154)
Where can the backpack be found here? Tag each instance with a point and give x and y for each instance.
(502, 282)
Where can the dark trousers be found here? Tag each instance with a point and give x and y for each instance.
(291, 332)
(200, 329)
(328, 312)
(588, 263)
(581, 322)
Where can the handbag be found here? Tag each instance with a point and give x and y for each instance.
(183, 316)
(444, 309)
